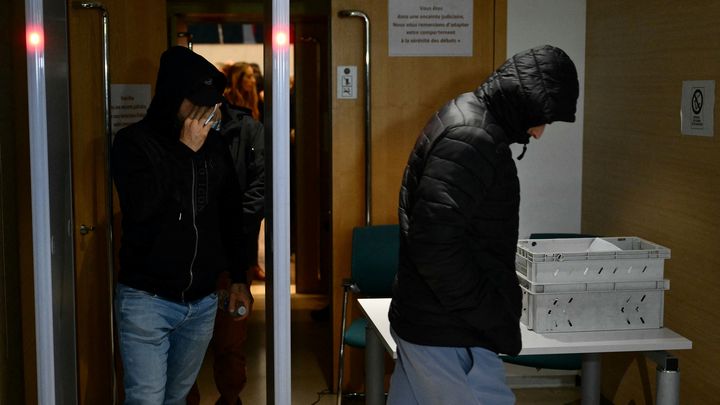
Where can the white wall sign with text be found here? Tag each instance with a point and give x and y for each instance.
(698, 105)
(128, 104)
(430, 28)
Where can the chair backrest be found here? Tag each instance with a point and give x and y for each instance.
(374, 263)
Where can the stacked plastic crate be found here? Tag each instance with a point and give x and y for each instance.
(591, 284)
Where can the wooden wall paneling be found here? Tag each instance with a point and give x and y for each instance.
(348, 205)
(642, 177)
(500, 31)
(405, 92)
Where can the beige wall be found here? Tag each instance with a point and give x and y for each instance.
(642, 177)
(405, 92)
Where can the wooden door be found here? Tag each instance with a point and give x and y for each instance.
(92, 273)
(137, 37)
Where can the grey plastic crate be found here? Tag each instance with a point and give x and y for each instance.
(534, 288)
(593, 306)
(555, 261)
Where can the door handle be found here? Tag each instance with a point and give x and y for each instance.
(85, 229)
(368, 119)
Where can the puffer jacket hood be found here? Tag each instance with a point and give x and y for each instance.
(181, 72)
(534, 87)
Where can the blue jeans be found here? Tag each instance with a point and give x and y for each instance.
(432, 375)
(162, 344)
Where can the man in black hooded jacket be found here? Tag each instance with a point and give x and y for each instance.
(456, 300)
(179, 197)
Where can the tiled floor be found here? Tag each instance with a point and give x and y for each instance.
(311, 355)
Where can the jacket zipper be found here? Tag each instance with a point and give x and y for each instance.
(192, 262)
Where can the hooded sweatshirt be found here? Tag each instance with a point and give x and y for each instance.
(181, 210)
(459, 202)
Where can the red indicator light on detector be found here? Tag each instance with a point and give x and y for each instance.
(281, 38)
(34, 39)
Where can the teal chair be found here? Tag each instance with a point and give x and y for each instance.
(550, 361)
(373, 265)
(547, 361)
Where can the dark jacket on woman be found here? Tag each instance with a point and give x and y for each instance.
(459, 201)
(245, 138)
(181, 222)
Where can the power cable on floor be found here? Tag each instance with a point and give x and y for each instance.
(320, 395)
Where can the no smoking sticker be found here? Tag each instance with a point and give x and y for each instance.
(698, 104)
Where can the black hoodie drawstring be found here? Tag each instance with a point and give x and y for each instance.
(523, 152)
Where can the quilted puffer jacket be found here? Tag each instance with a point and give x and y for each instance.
(459, 201)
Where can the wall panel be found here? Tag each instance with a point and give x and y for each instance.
(551, 171)
(642, 177)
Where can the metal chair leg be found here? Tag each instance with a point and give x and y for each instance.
(341, 354)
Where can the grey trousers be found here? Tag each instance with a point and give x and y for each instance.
(431, 375)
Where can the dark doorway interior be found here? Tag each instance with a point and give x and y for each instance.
(209, 25)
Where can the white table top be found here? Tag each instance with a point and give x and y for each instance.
(641, 340)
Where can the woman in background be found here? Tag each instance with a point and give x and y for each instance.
(242, 89)
(260, 85)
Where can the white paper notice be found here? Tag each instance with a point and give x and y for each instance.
(128, 104)
(430, 28)
(697, 107)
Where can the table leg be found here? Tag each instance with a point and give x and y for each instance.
(668, 387)
(374, 368)
(591, 379)
(667, 378)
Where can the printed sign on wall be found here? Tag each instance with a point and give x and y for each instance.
(698, 105)
(430, 28)
(128, 104)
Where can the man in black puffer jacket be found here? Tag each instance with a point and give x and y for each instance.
(456, 301)
(182, 226)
